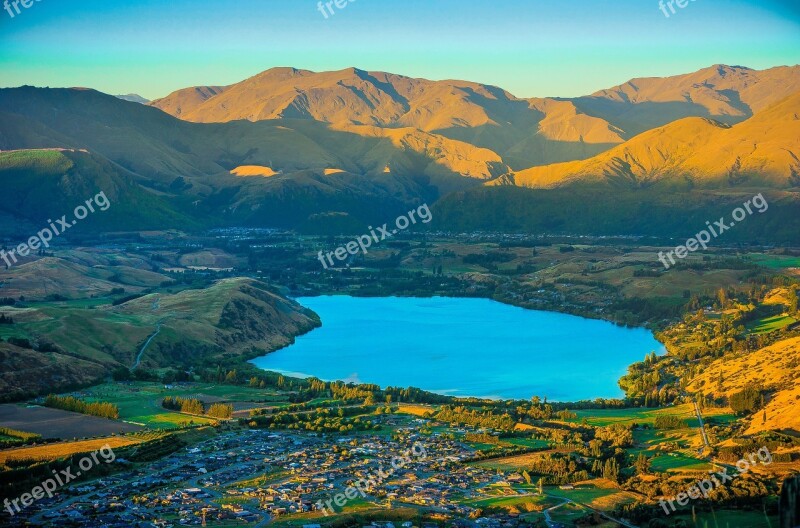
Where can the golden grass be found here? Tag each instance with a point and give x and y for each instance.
(64, 449)
(776, 366)
(777, 296)
(415, 409)
(253, 170)
(510, 463)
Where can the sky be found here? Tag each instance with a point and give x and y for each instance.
(529, 47)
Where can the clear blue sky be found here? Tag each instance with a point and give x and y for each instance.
(529, 47)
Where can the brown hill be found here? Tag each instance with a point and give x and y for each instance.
(485, 116)
(728, 94)
(775, 368)
(184, 101)
(694, 152)
(524, 132)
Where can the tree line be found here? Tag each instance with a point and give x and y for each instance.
(195, 406)
(71, 403)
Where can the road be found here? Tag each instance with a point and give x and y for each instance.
(702, 425)
(144, 347)
(552, 524)
(549, 520)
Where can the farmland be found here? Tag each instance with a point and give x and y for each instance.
(55, 423)
(61, 450)
(610, 450)
(140, 402)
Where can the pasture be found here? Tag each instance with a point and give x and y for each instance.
(678, 462)
(598, 493)
(140, 402)
(509, 463)
(770, 324)
(65, 449)
(55, 423)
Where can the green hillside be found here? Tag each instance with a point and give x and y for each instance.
(44, 184)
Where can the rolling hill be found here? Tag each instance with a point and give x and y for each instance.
(728, 94)
(232, 318)
(485, 116)
(694, 152)
(775, 369)
(43, 184)
(364, 171)
(525, 132)
(293, 148)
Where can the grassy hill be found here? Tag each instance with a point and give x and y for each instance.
(611, 211)
(692, 153)
(775, 368)
(182, 328)
(39, 185)
(297, 160)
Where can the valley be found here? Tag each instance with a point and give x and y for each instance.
(617, 455)
(521, 269)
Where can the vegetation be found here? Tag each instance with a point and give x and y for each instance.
(320, 420)
(194, 406)
(70, 403)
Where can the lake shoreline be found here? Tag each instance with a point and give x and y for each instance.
(511, 340)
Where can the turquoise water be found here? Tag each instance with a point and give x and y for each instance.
(462, 347)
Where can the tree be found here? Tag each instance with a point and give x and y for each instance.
(220, 410)
(611, 470)
(746, 401)
(121, 374)
(722, 297)
(793, 301)
(642, 464)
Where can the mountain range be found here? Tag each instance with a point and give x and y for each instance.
(288, 147)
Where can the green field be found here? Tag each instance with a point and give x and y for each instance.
(588, 493)
(140, 402)
(525, 503)
(775, 261)
(770, 324)
(568, 513)
(674, 461)
(603, 417)
(528, 442)
(646, 439)
(481, 446)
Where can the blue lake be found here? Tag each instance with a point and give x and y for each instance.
(462, 347)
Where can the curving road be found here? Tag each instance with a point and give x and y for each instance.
(144, 347)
